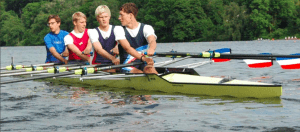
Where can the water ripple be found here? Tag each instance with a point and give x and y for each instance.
(30, 97)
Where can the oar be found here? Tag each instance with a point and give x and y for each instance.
(194, 65)
(35, 68)
(56, 69)
(82, 71)
(223, 56)
(161, 64)
(16, 67)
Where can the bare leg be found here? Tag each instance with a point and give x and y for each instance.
(150, 69)
(136, 71)
(110, 70)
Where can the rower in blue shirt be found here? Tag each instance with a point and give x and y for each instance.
(54, 41)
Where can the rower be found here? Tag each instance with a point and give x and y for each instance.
(78, 41)
(54, 41)
(134, 39)
(103, 39)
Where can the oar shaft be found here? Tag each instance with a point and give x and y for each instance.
(258, 56)
(79, 71)
(119, 66)
(23, 73)
(49, 70)
(224, 56)
(241, 58)
(13, 71)
(39, 77)
(94, 69)
(174, 61)
(35, 68)
(16, 67)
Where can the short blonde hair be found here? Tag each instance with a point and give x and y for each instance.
(77, 15)
(102, 9)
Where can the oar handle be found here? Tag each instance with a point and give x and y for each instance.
(147, 53)
(86, 70)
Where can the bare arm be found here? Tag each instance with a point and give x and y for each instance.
(88, 48)
(126, 46)
(57, 55)
(152, 45)
(104, 53)
(73, 48)
(115, 50)
(66, 52)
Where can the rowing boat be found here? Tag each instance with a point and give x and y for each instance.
(178, 80)
(172, 79)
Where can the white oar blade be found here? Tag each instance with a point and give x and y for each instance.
(223, 51)
(258, 63)
(289, 63)
(253, 63)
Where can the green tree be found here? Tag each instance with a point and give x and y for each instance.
(12, 29)
(30, 11)
(260, 19)
(293, 27)
(37, 31)
(281, 11)
(17, 5)
(158, 14)
(178, 20)
(214, 10)
(234, 21)
(2, 10)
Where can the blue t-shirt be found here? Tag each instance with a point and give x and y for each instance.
(56, 41)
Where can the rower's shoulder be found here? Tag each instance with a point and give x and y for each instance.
(48, 35)
(118, 28)
(92, 30)
(64, 32)
(147, 25)
(148, 28)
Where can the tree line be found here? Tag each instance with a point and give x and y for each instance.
(24, 22)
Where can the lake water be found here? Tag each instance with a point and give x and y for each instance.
(43, 106)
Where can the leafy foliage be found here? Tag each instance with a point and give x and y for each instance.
(12, 29)
(23, 22)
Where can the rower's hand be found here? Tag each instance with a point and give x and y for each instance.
(148, 60)
(115, 50)
(87, 51)
(66, 62)
(150, 52)
(116, 61)
(65, 54)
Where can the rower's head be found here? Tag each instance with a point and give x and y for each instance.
(79, 21)
(53, 22)
(128, 12)
(102, 14)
